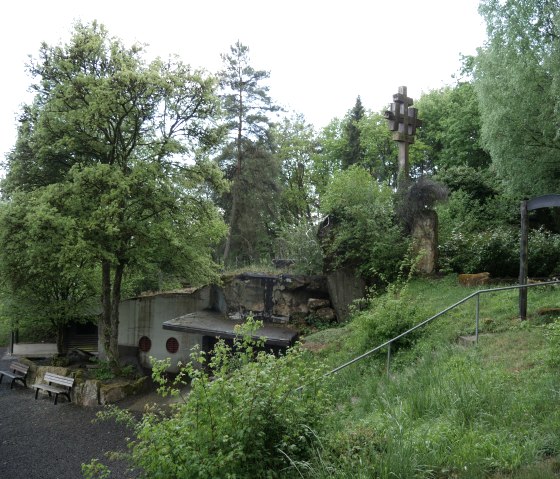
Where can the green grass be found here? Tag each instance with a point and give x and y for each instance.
(447, 411)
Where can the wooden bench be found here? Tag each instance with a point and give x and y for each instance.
(56, 385)
(17, 372)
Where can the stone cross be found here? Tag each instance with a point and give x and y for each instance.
(403, 121)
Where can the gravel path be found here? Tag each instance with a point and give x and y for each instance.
(40, 440)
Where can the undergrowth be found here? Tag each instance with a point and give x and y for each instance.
(446, 411)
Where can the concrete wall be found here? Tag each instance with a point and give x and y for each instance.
(274, 298)
(144, 316)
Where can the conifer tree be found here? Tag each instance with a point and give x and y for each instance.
(247, 157)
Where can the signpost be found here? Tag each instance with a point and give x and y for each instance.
(546, 201)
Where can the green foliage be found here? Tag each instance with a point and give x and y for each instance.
(247, 158)
(354, 152)
(242, 418)
(387, 316)
(299, 242)
(516, 79)
(363, 232)
(451, 130)
(95, 470)
(102, 154)
(497, 252)
(296, 146)
(48, 275)
(381, 152)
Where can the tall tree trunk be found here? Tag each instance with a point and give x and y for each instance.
(105, 320)
(232, 220)
(237, 175)
(60, 338)
(116, 301)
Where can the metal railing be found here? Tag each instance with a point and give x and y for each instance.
(435, 316)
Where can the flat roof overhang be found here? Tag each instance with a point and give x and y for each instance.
(211, 323)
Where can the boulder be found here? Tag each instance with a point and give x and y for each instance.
(117, 390)
(476, 279)
(325, 314)
(86, 393)
(315, 303)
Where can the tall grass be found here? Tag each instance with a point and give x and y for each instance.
(446, 411)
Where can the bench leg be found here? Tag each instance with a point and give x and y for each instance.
(55, 398)
(36, 392)
(1, 377)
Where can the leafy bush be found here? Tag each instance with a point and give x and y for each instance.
(497, 251)
(363, 230)
(299, 242)
(242, 418)
(388, 316)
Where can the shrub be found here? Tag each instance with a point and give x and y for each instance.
(242, 418)
(497, 251)
(387, 317)
(363, 229)
(299, 242)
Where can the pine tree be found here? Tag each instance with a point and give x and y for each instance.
(354, 152)
(247, 157)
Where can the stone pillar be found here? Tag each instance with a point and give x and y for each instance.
(425, 240)
(345, 286)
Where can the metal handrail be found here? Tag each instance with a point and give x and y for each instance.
(423, 323)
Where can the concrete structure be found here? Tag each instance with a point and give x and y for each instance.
(141, 330)
(169, 325)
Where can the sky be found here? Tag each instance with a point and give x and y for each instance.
(321, 54)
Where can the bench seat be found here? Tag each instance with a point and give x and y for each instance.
(55, 384)
(17, 372)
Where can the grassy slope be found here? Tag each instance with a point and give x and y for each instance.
(447, 411)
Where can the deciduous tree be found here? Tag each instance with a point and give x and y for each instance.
(517, 79)
(111, 135)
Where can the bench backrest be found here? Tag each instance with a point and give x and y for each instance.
(57, 379)
(19, 367)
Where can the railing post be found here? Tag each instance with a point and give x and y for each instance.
(477, 316)
(388, 358)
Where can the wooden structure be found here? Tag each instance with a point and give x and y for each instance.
(56, 385)
(403, 121)
(17, 372)
(546, 201)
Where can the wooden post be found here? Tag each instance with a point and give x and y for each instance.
(523, 262)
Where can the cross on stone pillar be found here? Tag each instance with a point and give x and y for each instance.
(403, 121)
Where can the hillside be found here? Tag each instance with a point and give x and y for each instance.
(447, 410)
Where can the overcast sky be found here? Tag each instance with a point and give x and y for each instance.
(321, 54)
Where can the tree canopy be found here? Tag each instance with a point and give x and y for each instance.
(116, 142)
(516, 77)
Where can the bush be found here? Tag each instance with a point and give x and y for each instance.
(242, 418)
(300, 243)
(387, 317)
(497, 251)
(363, 230)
